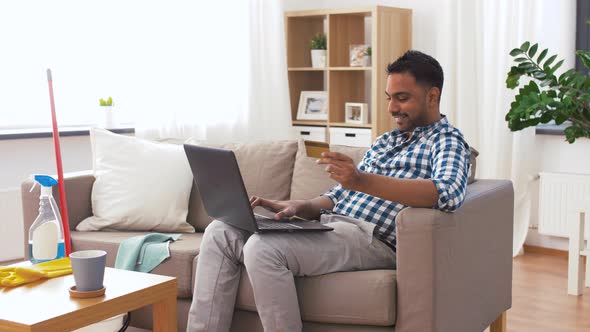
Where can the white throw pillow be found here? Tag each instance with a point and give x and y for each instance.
(140, 185)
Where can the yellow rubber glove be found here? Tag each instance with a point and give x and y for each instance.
(12, 276)
(54, 265)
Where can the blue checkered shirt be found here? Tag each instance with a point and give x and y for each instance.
(437, 152)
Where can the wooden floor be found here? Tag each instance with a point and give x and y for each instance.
(539, 297)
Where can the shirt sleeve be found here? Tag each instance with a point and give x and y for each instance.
(450, 169)
(335, 194)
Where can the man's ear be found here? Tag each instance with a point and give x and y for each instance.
(433, 96)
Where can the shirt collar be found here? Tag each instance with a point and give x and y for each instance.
(440, 122)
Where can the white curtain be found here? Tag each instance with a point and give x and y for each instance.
(212, 70)
(232, 83)
(473, 45)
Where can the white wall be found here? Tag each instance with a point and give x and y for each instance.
(554, 154)
(20, 158)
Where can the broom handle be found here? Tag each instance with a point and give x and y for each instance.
(60, 172)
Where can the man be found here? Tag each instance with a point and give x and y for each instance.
(423, 163)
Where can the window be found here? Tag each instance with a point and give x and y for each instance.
(582, 43)
(150, 56)
(582, 30)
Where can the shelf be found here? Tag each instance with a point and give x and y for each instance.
(387, 30)
(305, 69)
(303, 81)
(350, 68)
(330, 68)
(65, 131)
(299, 31)
(350, 125)
(346, 87)
(309, 123)
(363, 11)
(350, 30)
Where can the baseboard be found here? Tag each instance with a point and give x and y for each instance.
(544, 251)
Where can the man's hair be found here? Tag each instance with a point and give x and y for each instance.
(425, 69)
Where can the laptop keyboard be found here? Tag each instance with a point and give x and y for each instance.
(268, 223)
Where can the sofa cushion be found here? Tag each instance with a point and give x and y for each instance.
(310, 179)
(179, 265)
(358, 297)
(140, 185)
(266, 168)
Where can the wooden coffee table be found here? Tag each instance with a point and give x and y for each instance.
(47, 306)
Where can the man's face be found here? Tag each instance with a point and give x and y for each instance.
(410, 103)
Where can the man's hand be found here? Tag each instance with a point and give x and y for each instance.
(342, 169)
(283, 209)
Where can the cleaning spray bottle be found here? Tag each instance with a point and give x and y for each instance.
(46, 235)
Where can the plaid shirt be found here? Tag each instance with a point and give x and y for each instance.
(437, 152)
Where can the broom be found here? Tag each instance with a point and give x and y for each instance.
(60, 172)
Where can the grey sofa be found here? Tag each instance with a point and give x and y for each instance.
(454, 271)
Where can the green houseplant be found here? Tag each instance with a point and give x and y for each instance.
(107, 117)
(318, 42)
(318, 48)
(108, 102)
(546, 97)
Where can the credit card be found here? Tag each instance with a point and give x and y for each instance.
(314, 149)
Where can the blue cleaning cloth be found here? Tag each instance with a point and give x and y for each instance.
(144, 252)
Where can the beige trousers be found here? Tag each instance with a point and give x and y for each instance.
(272, 260)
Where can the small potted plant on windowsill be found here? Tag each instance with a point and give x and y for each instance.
(107, 115)
(318, 50)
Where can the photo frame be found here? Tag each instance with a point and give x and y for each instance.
(356, 113)
(313, 105)
(357, 54)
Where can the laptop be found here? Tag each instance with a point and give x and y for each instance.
(224, 195)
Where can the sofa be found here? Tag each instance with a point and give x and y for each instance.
(454, 270)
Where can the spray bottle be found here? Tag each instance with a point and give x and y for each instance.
(46, 235)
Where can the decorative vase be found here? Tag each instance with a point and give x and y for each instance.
(367, 61)
(318, 58)
(107, 119)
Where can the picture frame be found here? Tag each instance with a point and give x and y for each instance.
(357, 54)
(313, 105)
(356, 113)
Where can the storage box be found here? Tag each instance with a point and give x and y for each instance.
(351, 137)
(310, 133)
(113, 324)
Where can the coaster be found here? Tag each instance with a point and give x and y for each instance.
(84, 295)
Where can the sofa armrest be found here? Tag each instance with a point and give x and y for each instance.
(455, 269)
(78, 191)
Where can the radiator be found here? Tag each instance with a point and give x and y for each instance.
(555, 190)
(11, 224)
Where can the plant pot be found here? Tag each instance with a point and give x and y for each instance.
(367, 61)
(106, 117)
(318, 58)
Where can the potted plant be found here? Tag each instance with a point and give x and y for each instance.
(107, 116)
(318, 50)
(546, 97)
(367, 57)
